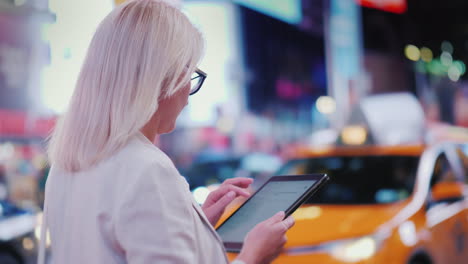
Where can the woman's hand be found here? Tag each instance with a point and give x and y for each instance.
(266, 240)
(217, 200)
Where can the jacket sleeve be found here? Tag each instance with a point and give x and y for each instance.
(153, 221)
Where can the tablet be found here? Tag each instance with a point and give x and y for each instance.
(279, 193)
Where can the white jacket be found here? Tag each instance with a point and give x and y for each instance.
(132, 208)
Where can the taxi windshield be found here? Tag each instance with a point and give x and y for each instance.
(359, 179)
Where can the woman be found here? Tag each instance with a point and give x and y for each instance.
(111, 195)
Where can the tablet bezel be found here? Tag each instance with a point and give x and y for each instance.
(320, 179)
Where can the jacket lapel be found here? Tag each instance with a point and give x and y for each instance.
(198, 209)
(210, 227)
(202, 215)
(205, 220)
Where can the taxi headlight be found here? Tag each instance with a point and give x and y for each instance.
(354, 250)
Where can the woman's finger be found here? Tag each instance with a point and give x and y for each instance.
(276, 219)
(239, 181)
(221, 204)
(286, 224)
(224, 189)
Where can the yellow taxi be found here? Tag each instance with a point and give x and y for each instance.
(392, 204)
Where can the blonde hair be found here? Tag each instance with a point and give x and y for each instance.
(139, 54)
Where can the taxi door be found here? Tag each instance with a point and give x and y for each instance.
(462, 155)
(446, 214)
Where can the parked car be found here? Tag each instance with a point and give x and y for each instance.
(18, 238)
(387, 204)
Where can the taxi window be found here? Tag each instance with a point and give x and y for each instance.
(361, 179)
(463, 156)
(443, 171)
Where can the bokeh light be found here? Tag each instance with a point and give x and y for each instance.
(426, 54)
(412, 53)
(447, 47)
(326, 105)
(446, 58)
(461, 66)
(200, 194)
(354, 135)
(454, 73)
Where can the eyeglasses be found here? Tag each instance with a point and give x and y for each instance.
(196, 81)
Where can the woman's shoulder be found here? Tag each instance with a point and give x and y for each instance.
(141, 156)
(151, 170)
(136, 163)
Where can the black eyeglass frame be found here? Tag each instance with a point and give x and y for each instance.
(202, 75)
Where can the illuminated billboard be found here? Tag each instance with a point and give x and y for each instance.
(394, 6)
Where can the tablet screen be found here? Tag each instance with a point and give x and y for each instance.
(275, 196)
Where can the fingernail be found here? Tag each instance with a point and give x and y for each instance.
(231, 194)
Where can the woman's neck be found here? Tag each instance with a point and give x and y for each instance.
(150, 130)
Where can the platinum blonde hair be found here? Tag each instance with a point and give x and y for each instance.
(140, 53)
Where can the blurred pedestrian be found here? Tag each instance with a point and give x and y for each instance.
(111, 195)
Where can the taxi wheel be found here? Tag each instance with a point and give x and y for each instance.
(419, 262)
(420, 259)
